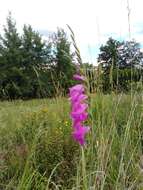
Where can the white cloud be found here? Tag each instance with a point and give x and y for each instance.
(93, 21)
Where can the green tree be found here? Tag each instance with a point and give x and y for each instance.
(24, 63)
(10, 60)
(108, 60)
(130, 55)
(108, 55)
(36, 62)
(63, 60)
(130, 63)
(121, 63)
(31, 67)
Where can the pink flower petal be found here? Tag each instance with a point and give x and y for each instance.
(78, 77)
(80, 117)
(77, 88)
(79, 107)
(79, 135)
(78, 98)
(79, 111)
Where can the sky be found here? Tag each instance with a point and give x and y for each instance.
(93, 21)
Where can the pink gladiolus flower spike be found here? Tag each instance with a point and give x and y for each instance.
(79, 77)
(79, 134)
(79, 88)
(79, 111)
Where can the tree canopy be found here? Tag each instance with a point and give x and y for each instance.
(122, 64)
(31, 67)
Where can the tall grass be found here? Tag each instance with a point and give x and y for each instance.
(37, 151)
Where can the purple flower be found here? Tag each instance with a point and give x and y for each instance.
(77, 97)
(79, 108)
(80, 117)
(78, 77)
(78, 111)
(79, 88)
(79, 134)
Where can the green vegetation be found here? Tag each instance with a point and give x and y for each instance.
(31, 67)
(122, 65)
(37, 151)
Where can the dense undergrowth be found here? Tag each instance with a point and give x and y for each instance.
(37, 151)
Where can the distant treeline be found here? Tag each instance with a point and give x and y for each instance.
(33, 68)
(122, 66)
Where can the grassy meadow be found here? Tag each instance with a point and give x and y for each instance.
(37, 151)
